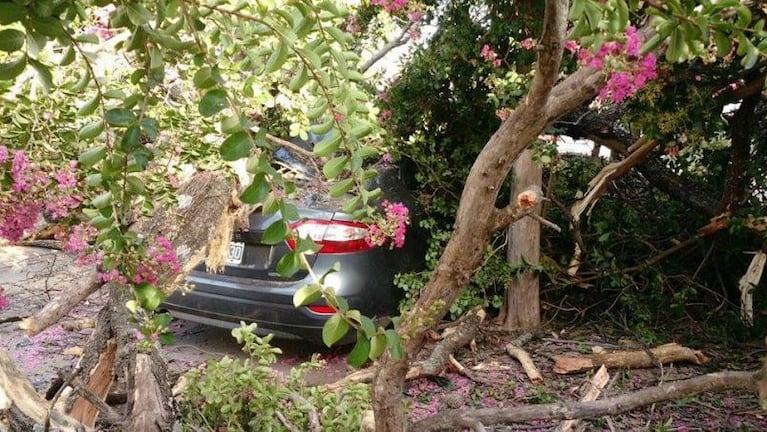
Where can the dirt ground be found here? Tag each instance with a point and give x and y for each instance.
(498, 380)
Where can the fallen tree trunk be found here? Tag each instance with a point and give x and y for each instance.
(714, 382)
(663, 354)
(204, 214)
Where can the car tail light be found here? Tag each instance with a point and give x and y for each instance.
(333, 236)
(322, 309)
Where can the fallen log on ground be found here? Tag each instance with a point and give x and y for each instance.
(566, 410)
(668, 353)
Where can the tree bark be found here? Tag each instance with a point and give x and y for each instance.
(715, 382)
(521, 309)
(471, 234)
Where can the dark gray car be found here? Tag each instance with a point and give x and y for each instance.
(251, 290)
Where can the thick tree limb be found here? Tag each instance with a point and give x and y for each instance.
(663, 354)
(746, 285)
(23, 407)
(61, 305)
(714, 382)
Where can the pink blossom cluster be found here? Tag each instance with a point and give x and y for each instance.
(3, 299)
(490, 56)
(635, 70)
(33, 189)
(393, 226)
(161, 262)
(390, 5)
(157, 264)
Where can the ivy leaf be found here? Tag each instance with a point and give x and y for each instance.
(236, 146)
(334, 330)
(11, 40)
(306, 295)
(213, 102)
(361, 351)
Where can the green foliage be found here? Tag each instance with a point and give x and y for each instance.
(249, 395)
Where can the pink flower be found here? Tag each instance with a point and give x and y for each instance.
(3, 300)
(3, 154)
(384, 96)
(66, 177)
(528, 44)
(393, 227)
(390, 5)
(385, 115)
(415, 16)
(572, 46)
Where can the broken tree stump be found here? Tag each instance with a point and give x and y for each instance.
(663, 354)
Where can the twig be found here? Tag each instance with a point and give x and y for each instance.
(285, 422)
(394, 43)
(463, 370)
(314, 418)
(546, 222)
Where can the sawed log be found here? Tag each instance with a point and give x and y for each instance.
(663, 354)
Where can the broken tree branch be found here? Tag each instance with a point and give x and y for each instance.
(61, 304)
(714, 382)
(527, 363)
(663, 354)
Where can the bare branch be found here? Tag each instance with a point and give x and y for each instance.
(394, 43)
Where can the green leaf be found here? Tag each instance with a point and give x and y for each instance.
(148, 296)
(377, 345)
(277, 58)
(92, 156)
(102, 200)
(307, 295)
(368, 326)
(89, 106)
(328, 145)
(317, 110)
(119, 117)
(299, 79)
(341, 187)
(138, 14)
(394, 344)
(135, 185)
(204, 78)
(11, 12)
(289, 264)
(677, 47)
(43, 72)
(334, 330)
(12, 69)
(256, 191)
(322, 128)
(236, 146)
(276, 233)
(130, 140)
(361, 351)
(68, 58)
(11, 40)
(91, 130)
(334, 167)
(213, 102)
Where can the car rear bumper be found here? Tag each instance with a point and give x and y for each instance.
(224, 301)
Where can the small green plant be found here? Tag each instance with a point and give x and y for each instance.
(248, 395)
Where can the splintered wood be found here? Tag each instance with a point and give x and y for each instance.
(589, 391)
(668, 353)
